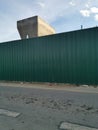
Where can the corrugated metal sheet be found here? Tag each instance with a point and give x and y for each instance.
(70, 57)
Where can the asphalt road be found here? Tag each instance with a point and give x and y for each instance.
(43, 109)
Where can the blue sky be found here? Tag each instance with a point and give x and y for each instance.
(63, 15)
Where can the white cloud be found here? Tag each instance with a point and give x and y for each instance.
(94, 10)
(96, 17)
(85, 13)
(90, 12)
(41, 4)
(72, 3)
(87, 5)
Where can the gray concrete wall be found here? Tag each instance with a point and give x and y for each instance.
(27, 27)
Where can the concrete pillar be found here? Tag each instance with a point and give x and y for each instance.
(33, 27)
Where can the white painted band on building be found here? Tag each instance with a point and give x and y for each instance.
(70, 126)
(9, 113)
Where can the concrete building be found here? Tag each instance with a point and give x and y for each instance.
(33, 27)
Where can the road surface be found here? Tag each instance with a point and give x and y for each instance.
(45, 109)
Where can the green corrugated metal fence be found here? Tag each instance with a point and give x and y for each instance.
(70, 57)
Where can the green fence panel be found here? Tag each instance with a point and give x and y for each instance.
(70, 57)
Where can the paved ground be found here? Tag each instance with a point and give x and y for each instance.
(45, 109)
